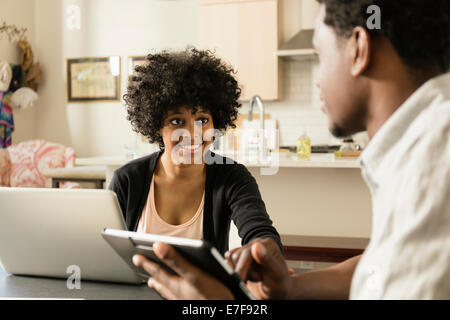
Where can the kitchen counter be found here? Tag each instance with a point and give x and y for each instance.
(322, 196)
(289, 160)
(284, 160)
(277, 161)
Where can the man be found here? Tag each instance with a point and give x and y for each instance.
(394, 83)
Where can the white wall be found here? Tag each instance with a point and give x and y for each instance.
(300, 108)
(119, 27)
(135, 27)
(317, 201)
(21, 14)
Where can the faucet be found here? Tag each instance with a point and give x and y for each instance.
(261, 142)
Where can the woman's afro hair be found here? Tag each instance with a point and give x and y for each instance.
(169, 80)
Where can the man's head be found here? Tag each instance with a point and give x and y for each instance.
(412, 43)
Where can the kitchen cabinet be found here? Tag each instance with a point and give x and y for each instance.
(297, 19)
(244, 33)
(295, 15)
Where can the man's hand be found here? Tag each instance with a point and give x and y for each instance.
(190, 283)
(261, 264)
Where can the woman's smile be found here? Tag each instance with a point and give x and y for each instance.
(191, 148)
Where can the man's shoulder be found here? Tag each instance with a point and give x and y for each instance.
(433, 124)
(426, 141)
(438, 115)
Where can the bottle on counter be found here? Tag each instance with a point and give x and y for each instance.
(304, 147)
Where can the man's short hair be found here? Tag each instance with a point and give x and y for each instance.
(419, 30)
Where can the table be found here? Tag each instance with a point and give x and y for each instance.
(96, 174)
(25, 287)
(109, 163)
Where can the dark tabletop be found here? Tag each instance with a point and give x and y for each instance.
(21, 287)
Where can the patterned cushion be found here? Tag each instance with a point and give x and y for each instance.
(5, 168)
(69, 162)
(29, 158)
(69, 156)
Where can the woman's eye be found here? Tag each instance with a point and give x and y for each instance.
(176, 122)
(202, 121)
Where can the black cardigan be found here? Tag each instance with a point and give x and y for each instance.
(231, 193)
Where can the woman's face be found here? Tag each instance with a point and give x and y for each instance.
(187, 135)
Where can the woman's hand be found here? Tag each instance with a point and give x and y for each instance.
(261, 265)
(191, 283)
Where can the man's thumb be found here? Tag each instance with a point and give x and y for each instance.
(260, 253)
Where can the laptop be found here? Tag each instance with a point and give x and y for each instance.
(57, 233)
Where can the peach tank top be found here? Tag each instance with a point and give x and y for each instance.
(151, 222)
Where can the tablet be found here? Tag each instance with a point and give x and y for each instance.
(199, 253)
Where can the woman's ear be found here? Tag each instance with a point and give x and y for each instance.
(159, 132)
(360, 51)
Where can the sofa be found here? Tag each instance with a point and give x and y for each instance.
(22, 164)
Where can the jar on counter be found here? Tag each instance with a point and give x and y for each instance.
(349, 145)
(304, 147)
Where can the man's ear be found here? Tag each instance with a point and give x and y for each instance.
(360, 51)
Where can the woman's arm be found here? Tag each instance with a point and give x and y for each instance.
(248, 210)
(118, 186)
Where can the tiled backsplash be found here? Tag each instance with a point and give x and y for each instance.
(299, 107)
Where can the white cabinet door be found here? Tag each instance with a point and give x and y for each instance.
(245, 34)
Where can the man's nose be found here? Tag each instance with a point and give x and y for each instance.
(318, 86)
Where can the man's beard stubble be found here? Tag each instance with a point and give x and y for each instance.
(338, 132)
(356, 124)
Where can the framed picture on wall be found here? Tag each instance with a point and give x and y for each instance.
(134, 61)
(95, 79)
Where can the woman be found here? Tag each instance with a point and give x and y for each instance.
(178, 100)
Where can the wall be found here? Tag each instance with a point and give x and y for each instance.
(299, 108)
(121, 27)
(21, 14)
(135, 27)
(315, 201)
